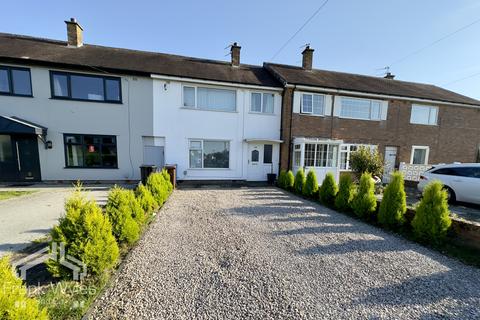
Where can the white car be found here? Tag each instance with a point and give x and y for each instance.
(461, 180)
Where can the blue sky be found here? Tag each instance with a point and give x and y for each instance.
(347, 35)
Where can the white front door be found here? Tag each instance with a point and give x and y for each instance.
(257, 169)
(389, 166)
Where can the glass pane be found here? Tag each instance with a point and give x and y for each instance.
(256, 102)
(307, 103)
(267, 153)
(189, 97)
(6, 152)
(255, 155)
(420, 115)
(88, 88)
(92, 156)
(433, 116)
(318, 104)
(419, 156)
(268, 103)
(355, 108)
(343, 160)
(73, 139)
(21, 82)
(112, 89)
(196, 145)
(92, 139)
(195, 158)
(4, 84)
(216, 99)
(309, 155)
(375, 110)
(60, 85)
(109, 156)
(216, 154)
(297, 158)
(75, 156)
(108, 140)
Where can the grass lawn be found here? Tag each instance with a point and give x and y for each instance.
(12, 194)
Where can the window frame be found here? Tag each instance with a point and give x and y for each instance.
(202, 148)
(312, 113)
(69, 87)
(430, 107)
(349, 151)
(195, 107)
(270, 146)
(427, 153)
(11, 91)
(262, 102)
(371, 101)
(324, 155)
(65, 145)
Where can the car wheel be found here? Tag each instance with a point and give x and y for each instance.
(452, 198)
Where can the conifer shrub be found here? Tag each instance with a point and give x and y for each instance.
(14, 302)
(299, 182)
(328, 190)
(364, 202)
(432, 217)
(146, 200)
(159, 187)
(311, 184)
(289, 180)
(120, 211)
(87, 235)
(346, 192)
(394, 203)
(169, 184)
(282, 179)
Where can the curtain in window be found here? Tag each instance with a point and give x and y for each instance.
(268, 103)
(216, 99)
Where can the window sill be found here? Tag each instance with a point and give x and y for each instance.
(312, 115)
(210, 110)
(375, 120)
(262, 113)
(86, 100)
(424, 124)
(209, 169)
(16, 95)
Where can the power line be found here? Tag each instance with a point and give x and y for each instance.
(434, 42)
(461, 79)
(300, 29)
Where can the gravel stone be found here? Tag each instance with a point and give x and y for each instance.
(261, 253)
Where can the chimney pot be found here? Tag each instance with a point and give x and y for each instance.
(307, 61)
(235, 54)
(74, 33)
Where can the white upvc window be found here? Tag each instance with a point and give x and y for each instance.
(320, 155)
(422, 114)
(262, 103)
(363, 109)
(207, 98)
(346, 151)
(297, 155)
(313, 104)
(419, 155)
(212, 154)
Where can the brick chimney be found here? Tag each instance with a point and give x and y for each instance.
(235, 53)
(74, 33)
(307, 60)
(389, 76)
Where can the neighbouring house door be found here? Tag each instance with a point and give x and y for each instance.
(19, 155)
(259, 161)
(389, 159)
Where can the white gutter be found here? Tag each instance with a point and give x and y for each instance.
(216, 83)
(384, 96)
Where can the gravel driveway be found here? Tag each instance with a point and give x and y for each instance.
(260, 253)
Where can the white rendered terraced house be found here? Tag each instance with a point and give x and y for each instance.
(70, 110)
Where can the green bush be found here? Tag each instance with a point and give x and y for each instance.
(366, 160)
(282, 179)
(14, 302)
(120, 211)
(394, 203)
(166, 176)
(364, 203)
(87, 234)
(346, 192)
(328, 190)
(311, 184)
(299, 182)
(289, 180)
(159, 187)
(146, 200)
(432, 217)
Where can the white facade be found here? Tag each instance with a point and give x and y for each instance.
(245, 131)
(129, 121)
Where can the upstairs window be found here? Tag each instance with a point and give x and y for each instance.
(15, 81)
(363, 109)
(85, 87)
(214, 99)
(262, 103)
(427, 115)
(313, 104)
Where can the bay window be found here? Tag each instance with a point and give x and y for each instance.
(209, 154)
(320, 155)
(206, 98)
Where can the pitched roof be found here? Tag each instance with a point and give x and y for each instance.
(365, 84)
(54, 52)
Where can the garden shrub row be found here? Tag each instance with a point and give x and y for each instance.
(91, 236)
(431, 221)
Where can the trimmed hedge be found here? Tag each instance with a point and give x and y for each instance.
(299, 182)
(328, 190)
(364, 203)
(432, 218)
(394, 203)
(311, 184)
(87, 234)
(14, 303)
(346, 192)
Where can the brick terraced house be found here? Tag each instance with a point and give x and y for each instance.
(327, 115)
